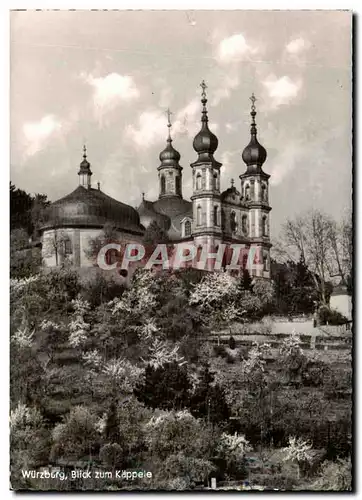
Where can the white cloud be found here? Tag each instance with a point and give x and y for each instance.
(37, 133)
(111, 90)
(286, 161)
(229, 83)
(234, 48)
(152, 129)
(297, 46)
(165, 97)
(281, 90)
(230, 127)
(187, 122)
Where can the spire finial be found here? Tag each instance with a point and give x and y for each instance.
(204, 87)
(169, 124)
(84, 152)
(204, 117)
(232, 182)
(143, 195)
(253, 114)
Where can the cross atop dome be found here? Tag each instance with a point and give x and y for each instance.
(204, 87)
(253, 100)
(169, 124)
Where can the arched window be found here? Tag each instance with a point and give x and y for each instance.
(199, 216)
(187, 228)
(247, 192)
(215, 185)
(263, 193)
(163, 184)
(198, 182)
(265, 226)
(67, 244)
(223, 218)
(266, 262)
(216, 222)
(233, 224)
(178, 185)
(244, 224)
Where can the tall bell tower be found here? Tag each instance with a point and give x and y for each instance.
(170, 171)
(206, 184)
(255, 192)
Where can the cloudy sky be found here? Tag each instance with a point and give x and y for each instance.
(106, 79)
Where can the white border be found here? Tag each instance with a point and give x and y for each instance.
(5, 6)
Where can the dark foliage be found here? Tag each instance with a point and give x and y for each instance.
(165, 387)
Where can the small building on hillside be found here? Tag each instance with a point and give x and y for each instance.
(341, 300)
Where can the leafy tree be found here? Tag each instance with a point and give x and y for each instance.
(208, 400)
(112, 425)
(76, 438)
(298, 451)
(183, 472)
(169, 433)
(20, 207)
(164, 387)
(334, 476)
(154, 234)
(111, 455)
(246, 281)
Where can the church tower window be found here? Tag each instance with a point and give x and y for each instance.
(163, 184)
(215, 184)
(198, 182)
(187, 228)
(199, 216)
(244, 224)
(216, 216)
(233, 223)
(178, 185)
(265, 226)
(263, 193)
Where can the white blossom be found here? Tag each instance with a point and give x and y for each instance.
(92, 358)
(213, 288)
(162, 353)
(298, 450)
(291, 345)
(124, 372)
(23, 416)
(49, 325)
(256, 361)
(235, 444)
(78, 331)
(23, 338)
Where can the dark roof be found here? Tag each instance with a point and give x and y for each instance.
(168, 212)
(91, 208)
(172, 206)
(148, 215)
(231, 195)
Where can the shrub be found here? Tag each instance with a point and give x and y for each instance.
(334, 476)
(331, 317)
(231, 342)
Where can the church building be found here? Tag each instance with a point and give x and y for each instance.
(211, 217)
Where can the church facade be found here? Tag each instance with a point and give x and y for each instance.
(211, 217)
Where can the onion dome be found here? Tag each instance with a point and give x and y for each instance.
(205, 142)
(84, 167)
(254, 154)
(169, 157)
